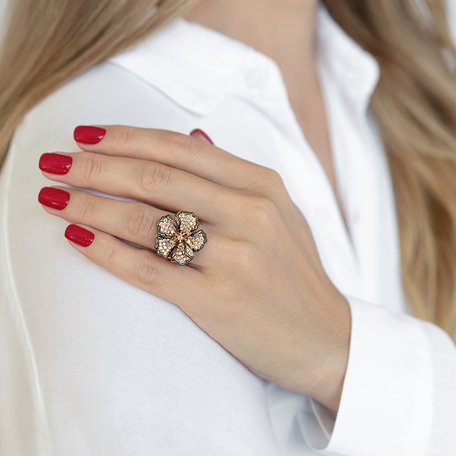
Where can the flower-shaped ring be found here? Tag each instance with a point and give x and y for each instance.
(178, 239)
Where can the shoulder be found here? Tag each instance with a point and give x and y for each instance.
(88, 325)
(104, 94)
(41, 265)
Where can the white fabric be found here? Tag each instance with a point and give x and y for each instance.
(115, 370)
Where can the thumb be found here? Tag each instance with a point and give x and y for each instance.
(200, 134)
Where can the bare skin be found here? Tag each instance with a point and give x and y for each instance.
(255, 23)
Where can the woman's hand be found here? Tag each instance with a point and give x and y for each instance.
(257, 287)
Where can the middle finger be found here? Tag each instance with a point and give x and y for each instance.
(165, 187)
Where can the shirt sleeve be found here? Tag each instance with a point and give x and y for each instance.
(114, 370)
(399, 392)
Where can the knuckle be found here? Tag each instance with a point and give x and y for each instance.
(93, 165)
(260, 210)
(146, 271)
(152, 176)
(124, 137)
(108, 252)
(274, 178)
(140, 221)
(85, 209)
(269, 179)
(181, 143)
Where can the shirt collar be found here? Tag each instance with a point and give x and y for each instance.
(354, 70)
(196, 66)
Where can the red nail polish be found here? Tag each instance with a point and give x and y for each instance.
(87, 134)
(79, 235)
(55, 163)
(53, 197)
(201, 132)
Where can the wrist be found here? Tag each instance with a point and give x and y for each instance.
(329, 375)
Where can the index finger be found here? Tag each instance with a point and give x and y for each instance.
(173, 149)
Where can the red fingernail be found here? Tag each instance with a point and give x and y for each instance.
(79, 235)
(201, 132)
(55, 163)
(87, 134)
(53, 197)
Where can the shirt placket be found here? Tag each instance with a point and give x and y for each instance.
(303, 174)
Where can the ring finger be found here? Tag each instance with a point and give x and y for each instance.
(131, 221)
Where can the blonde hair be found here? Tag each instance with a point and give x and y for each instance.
(415, 109)
(48, 42)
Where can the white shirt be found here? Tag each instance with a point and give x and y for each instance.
(115, 370)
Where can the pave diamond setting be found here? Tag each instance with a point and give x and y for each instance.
(178, 239)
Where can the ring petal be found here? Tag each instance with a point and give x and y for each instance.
(166, 226)
(163, 246)
(197, 240)
(187, 221)
(178, 256)
(188, 251)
